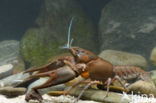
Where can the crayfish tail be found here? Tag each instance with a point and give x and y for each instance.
(131, 72)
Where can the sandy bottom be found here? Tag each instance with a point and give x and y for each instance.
(47, 99)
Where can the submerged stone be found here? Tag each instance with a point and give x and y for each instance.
(153, 56)
(43, 41)
(97, 95)
(128, 25)
(123, 58)
(6, 70)
(12, 92)
(9, 50)
(143, 87)
(13, 80)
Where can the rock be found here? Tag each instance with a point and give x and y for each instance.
(13, 80)
(143, 87)
(66, 99)
(9, 50)
(97, 95)
(153, 76)
(44, 40)
(128, 25)
(153, 56)
(123, 58)
(6, 70)
(113, 97)
(9, 54)
(12, 92)
(60, 87)
(18, 65)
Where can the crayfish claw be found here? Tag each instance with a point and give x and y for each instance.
(33, 95)
(38, 75)
(45, 68)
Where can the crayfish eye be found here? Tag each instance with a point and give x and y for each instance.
(77, 51)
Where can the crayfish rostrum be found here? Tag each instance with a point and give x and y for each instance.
(86, 64)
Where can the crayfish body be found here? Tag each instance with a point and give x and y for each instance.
(88, 65)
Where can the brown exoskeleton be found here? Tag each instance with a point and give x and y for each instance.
(86, 64)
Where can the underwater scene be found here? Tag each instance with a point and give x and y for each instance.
(78, 51)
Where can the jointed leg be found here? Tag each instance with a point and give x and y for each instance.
(76, 84)
(108, 86)
(119, 79)
(86, 87)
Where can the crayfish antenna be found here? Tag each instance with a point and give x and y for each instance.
(69, 30)
(69, 42)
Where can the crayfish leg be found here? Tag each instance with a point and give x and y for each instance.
(109, 80)
(120, 81)
(85, 88)
(74, 85)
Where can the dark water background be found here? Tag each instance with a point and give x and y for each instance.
(16, 16)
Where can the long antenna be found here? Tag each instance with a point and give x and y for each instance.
(69, 42)
(69, 30)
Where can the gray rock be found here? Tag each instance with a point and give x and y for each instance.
(9, 50)
(153, 76)
(97, 95)
(18, 65)
(128, 25)
(14, 66)
(13, 79)
(153, 56)
(143, 87)
(6, 70)
(9, 54)
(60, 87)
(12, 92)
(123, 58)
(43, 41)
(61, 99)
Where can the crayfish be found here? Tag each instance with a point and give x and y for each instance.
(86, 64)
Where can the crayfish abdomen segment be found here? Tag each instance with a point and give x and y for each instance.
(131, 72)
